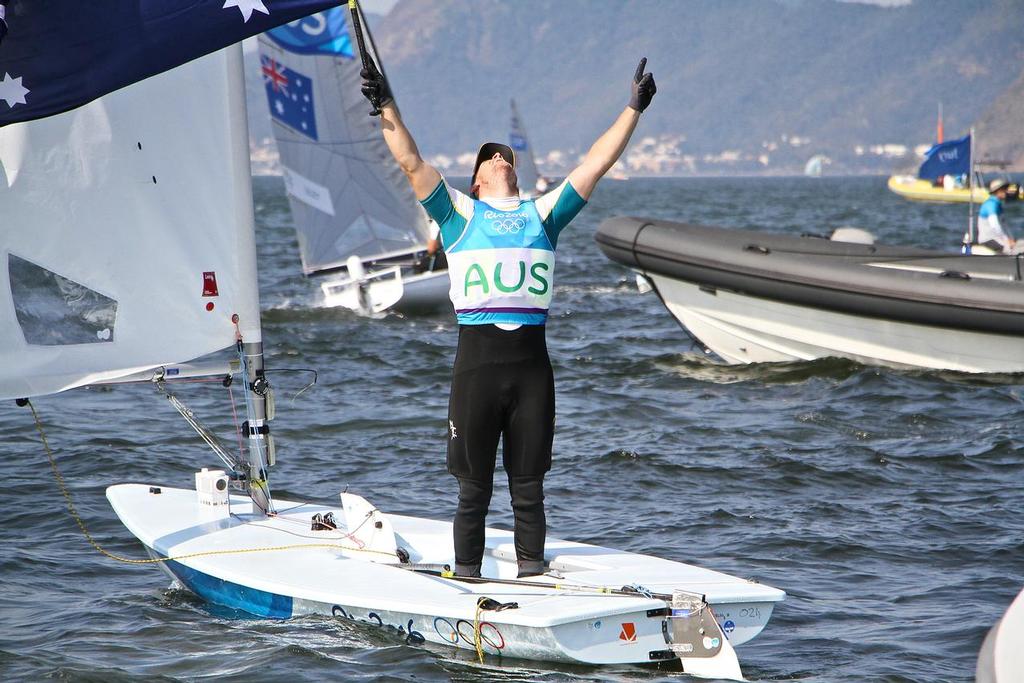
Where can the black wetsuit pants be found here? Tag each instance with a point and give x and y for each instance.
(502, 387)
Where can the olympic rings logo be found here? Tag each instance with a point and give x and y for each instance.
(508, 226)
(506, 223)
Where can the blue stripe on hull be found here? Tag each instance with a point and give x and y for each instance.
(228, 594)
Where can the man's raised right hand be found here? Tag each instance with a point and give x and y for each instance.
(375, 87)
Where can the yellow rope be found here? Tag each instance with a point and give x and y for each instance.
(128, 560)
(477, 639)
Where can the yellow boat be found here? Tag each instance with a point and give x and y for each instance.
(919, 190)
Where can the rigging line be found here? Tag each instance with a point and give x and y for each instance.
(632, 591)
(307, 386)
(209, 437)
(343, 534)
(360, 545)
(128, 560)
(238, 426)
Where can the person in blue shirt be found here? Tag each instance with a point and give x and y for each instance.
(990, 231)
(501, 262)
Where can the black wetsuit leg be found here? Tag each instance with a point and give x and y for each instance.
(502, 387)
(530, 523)
(474, 499)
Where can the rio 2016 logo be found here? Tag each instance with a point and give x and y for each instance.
(506, 223)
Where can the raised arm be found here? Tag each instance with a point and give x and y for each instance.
(609, 147)
(422, 176)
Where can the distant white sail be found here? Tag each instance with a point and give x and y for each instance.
(127, 238)
(814, 165)
(347, 194)
(526, 166)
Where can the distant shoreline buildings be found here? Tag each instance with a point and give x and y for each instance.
(667, 156)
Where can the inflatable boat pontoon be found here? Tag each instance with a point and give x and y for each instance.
(757, 297)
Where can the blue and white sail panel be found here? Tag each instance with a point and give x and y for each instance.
(127, 238)
(526, 167)
(61, 54)
(323, 33)
(952, 157)
(347, 194)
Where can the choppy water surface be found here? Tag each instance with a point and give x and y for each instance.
(886, 503)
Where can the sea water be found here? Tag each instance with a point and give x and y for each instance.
(886, 503)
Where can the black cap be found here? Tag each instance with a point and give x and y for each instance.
(487, 151)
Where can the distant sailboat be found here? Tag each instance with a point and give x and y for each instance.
(358, 223)
(812, 169)
(531, 183)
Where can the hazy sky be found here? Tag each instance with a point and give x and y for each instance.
(883, 3)
(378, 6)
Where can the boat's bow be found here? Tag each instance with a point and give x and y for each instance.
(757, 297)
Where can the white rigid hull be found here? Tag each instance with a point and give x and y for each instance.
(317, 576)
(747, 329)
(999, 659)
(388, 288)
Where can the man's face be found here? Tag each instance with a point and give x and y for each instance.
(1001, 193)
(496, 172)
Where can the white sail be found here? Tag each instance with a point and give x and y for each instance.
(347, 194)
(526, 166)
(127, 239)
(813, 167)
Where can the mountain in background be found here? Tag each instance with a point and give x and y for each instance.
(1000, 132)
(743, 85)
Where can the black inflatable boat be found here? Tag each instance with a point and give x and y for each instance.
(759, 297)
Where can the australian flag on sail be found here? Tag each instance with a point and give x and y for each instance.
(61, 54)
(324, 33)
(952, 157)
(290, 96)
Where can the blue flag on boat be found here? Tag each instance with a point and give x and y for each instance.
(325, 33)
(952, 157)
(61, 54)
(290, 95)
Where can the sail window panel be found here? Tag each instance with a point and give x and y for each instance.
(53, 310)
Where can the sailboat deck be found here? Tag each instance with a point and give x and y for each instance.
(282, 556)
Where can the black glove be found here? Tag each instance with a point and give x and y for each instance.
(375, 87)
(643, 87)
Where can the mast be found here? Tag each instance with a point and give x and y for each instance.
(258, 401)
(970, 198)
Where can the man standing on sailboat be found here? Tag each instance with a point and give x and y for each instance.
(501, 260)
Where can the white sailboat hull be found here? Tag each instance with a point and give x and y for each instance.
(287, 570)
(745, 329)
(388, 288)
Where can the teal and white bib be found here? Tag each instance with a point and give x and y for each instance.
(502, 267)
(501, 253)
